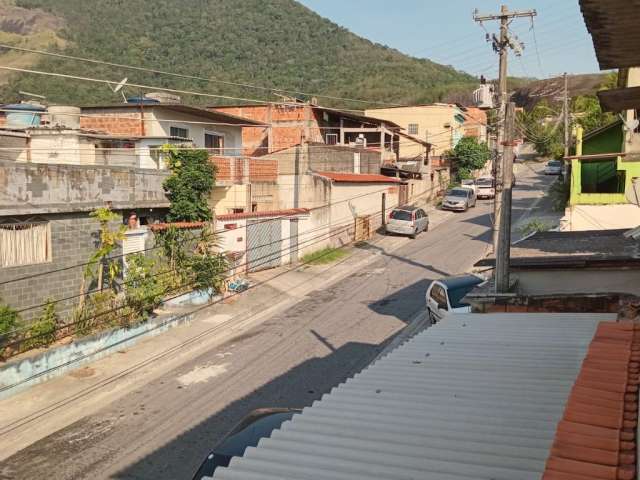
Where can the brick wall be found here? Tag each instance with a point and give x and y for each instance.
(263, 170)
(287, 126)
(115, 123)
(223, 168)
(74, 238)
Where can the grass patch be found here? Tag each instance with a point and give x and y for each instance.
(324, 256)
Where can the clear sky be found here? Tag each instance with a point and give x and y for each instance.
(444, 31)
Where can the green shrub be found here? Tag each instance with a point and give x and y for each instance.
(208, 271)
(143, 289)
(559, 193)
(534, 226)
(43, 331)
(9, 321)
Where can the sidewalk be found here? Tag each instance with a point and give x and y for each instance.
(103, 381)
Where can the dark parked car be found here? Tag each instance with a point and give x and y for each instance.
(257, 425)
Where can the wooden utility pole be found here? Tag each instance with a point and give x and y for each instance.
(566, 115)
(503, 252)
(501, 45)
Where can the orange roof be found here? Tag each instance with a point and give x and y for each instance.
(157, 227)
(358, 177)
(271, 213)
(596, 437)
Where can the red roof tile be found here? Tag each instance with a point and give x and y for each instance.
(271, 213)
(358, 177)
(596, 439)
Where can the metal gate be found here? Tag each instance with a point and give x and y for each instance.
(264, 244)
(403, 195)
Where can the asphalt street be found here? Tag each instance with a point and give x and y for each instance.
(163, 429)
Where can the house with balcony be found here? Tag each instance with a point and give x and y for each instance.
(440, 124)
(294, 123)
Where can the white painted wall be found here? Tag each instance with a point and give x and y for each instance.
(232, 134)
(600, 217)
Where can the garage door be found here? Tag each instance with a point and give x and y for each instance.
(264, 244)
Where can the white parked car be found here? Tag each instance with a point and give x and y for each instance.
(408, 220)
(553, 167)
(486, 187)
(459, 198)
(445, 296)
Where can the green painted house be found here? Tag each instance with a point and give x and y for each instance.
(604, 180)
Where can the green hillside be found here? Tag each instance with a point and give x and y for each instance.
(275, 43)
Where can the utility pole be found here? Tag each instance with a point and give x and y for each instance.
(566, 115)
(501, 45)
(503, 253)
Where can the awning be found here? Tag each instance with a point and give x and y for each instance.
(613, 25)
(619, 99)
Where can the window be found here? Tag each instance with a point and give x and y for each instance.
(602, 176)
(401, 215)
(214, 143)
(439, 296)
(413, 129)
(331, 138)
(179, 132)
(25, 243)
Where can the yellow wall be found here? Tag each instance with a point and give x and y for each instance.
(225, 199)
(431, 120)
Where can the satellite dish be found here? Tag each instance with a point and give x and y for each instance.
(121, 84)
(629, 125)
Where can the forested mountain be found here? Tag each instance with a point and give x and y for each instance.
(274, 43)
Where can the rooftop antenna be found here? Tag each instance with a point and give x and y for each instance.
(118, 88)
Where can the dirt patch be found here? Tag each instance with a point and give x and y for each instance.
(85, 372)
(22, 21)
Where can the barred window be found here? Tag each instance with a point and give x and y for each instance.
(413, 129)
(24, 243)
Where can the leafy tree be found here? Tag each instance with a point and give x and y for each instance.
(587, 112)
(470, 155)
(189, 186)
(108, 242)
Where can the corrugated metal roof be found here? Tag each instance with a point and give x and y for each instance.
(474, 397)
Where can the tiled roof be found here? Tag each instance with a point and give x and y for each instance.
(271, 213)
(157, 227)
(596, 438)
(572, 248)
(474, 397)
(357, 177)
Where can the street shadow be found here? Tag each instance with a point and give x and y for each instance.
(404, 303)
(408, 261)
(299, 387)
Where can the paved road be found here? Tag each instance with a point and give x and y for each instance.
(163, 429)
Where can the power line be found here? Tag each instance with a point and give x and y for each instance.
(156, 88)
(179, 75)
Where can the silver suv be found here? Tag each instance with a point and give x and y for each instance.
(408, 220)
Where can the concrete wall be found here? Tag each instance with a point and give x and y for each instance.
(598, 217)
(32, 189)
(74, 237)
(559, 282)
